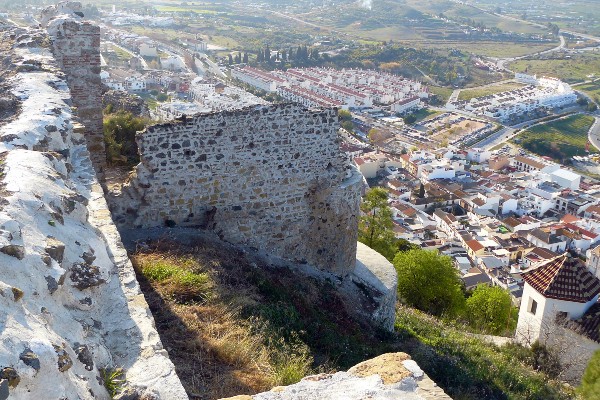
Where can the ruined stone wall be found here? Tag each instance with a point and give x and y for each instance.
(268, 177)
(70, 304)
(76, 48)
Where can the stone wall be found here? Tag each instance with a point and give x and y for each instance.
(76, 48)
(268, 177)
(70, 304)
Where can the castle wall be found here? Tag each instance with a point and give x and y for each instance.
(70, 305)
(76, 49)
(268, 177)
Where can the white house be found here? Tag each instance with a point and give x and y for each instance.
(405, 105)
(547, 240)
(135, 83)
(559, 304)
(478, 155)
(565, 178)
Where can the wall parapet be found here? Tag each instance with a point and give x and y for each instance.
(69, 301)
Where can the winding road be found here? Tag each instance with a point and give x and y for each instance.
(501, 62)
(594, 133)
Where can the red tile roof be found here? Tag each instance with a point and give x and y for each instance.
(569, 218)
(563, 278)
(588, 325)
(475, 245)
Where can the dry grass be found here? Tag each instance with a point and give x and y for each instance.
(229, 326)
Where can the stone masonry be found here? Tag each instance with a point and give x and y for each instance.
(76, 48)
(267, 177)
(70, 305)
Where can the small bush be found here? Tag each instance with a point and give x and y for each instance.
(180, 278)
(159, 271)
(113, 379)
(120, 129)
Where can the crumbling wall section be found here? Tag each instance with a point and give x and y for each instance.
(76, 48)
(268, 177)
(70, 304)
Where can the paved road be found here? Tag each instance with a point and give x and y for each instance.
(594, 133)
(501, 62)
(507, 133)
(583, 35)
(454, 96)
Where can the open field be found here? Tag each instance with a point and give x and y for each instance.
(448, 133)
(486, 48)
(443, 93)
(468, 94)
(592, 89)
(577, 15)
(425, 113)
(575, 69)
(559, 140)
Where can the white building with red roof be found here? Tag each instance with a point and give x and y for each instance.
(560, 309)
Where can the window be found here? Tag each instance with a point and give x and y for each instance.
(532, 306)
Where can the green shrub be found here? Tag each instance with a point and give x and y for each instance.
(159, 271)
(590, 383)
(119, 137)
(113, 379)
(470, 368)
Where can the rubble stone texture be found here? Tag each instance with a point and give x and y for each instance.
(76, 48)
(268, 177)
(392, 376)
(123, 101)
(70, 304)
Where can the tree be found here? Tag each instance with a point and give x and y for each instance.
(421, 191)
(375, 135)
(376, 223)
(410, 119)
(490, 310)
(119, 137)
(428, 281)
(590, 383)
(230, 59)
(245, 58)
(344, 115)
(348, 125)
(267, 54)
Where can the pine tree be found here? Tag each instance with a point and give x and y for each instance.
(267, 54)
(260, 57)
(230, 59)
(245, 58)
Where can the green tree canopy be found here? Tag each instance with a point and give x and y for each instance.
(376, 223)
(428, 281)
(348, 125)
(119, 137)
(410, 119)
(590, 383)
(490, 310)
(344, 115)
